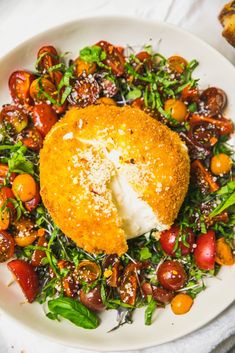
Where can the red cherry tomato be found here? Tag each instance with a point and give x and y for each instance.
(7, 246)
(19, 85)
(190, 94)
(31, 138)
(69, 282)
(5, 213)
(169, 237)
(85, 92)
(38, 255)
(44, 117)
(172, 275)
(33, 203)
(114, 57)
(92, 300)
(4, 172)
(47, 57)
(26, 277)
(205, 251)
(7, 193)
(15, 117)
(215, 100)
(162, 295)
(143, 55)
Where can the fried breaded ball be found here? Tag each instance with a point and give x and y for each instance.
(93, 153)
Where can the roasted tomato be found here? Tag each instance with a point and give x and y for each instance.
(44, 117)
(15, 117)
(26, 276)
(190, 94)
(85, 92)
(177, 64)
(92, 300)
(202, 177)
(82, 67)
(205, 251)
(163, 295)
(7, 246)
(38, 255)
(224, 255)
(214, 100)
(143, 55)
(43, 89)
(5, 207)
(112, 268)
(223, 125)
(33, 203)
(138, 103)
(114, 57)
(24, 232)
(24, 187)
(169, 237)
(47, 57)
(19, 85)
(69, 281)
(4, 170)
(88, 271)
(221, 164)
(181, 304)
(203, 134)
(172, 275)
(31, 138)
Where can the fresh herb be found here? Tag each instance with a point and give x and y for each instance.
(150, 310)
(145, 254)
(134, 94)
(93, 54)
(17, 161)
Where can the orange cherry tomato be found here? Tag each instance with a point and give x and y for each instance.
(82, 66)
(224, 255)
(143, 55)
(176, 108)
(88, 271)
(190, 94)
(24, 187)
(38, 255)
(221, 164)
(44, 117)
(25, 232)
(5, 207)
(40, 88)
(31, 138)
(177, 63)
(181, 303)
(19, 85)
(33, 203)
(47, 57)
(15, 117)
(7, 246)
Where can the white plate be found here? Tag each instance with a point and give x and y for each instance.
(215, 70)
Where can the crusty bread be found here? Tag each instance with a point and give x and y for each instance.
(82, 154)
(227, 19)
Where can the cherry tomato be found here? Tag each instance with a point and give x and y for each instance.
(162, 295)
(202, 177)
(15, 117)
(24, 187)
(146, 289)
(221, 164)
(190, 94)
(4, 169)
(25, 233)
(92, 300)
(88, 271)
(181, 304)
(85, 92)
(224, 255)
(33, 203)
(82, 67)
(40, 88)
(172, 275)
(112, 267)
(31, 138)
(176, 108)
(19, 85)
(214, 99)
(38, 255)
(69, 282)
(224, 126)
(26, 277)
(129, 283)
(204, 253)
(169, 237)
(177, 63)
(196, 150)
(7, 246)
(114, 57)
(138, 103)
(204, 134)
(44, 117)
(5, 207)
(143, 55)
(7, 193)
(47, 57)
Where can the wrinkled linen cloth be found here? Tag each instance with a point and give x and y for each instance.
(22, 19)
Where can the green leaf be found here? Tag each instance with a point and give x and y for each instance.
(134, 94)
(18, 163)
(92, 54)
(73, 311)
(149, 311)
(224, 205)
(145, 254)
(228, 188)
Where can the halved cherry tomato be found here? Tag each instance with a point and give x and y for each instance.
(176, 108)
(4, 169)
(138, 103)
(25, 232)
(15, 117)
(204, 253)
(215, 100)
(85, 92)
(40, 88)
(177, 63)
(38, 255)
(33, 203)
(203, 134)
(26, 276)
(224, 255)
(92, 300)
(162, 295)
(221, 164)
(5, 207)
(19, 85)
(190, 94)
(143, 55)
(114, 57)
(44, 117)
(31, 138)
(171, 275)
(7, 193)
(69, 282)
(24, 187)
(202, 177)
(88, 271)
(112, 269)
(47, 57)
(224, 126)
(181, 304)
(82, 67)
(168, 240)
(7, 246)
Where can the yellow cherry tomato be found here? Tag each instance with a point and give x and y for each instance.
(25, 233)
(176, 108)
(224, 255)
(177, 63)
(221, 164)
(24, 187)
(181, 303)
(82, 66)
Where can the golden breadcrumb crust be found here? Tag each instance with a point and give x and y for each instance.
(227, 19)
(76, 169)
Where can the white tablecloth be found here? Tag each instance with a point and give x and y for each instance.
(21, 19)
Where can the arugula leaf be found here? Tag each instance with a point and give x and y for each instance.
(149, 311)
(145, 254)
(93, 54)
(73, 311)
(18, 163)
(229, 201)
(134, 94)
